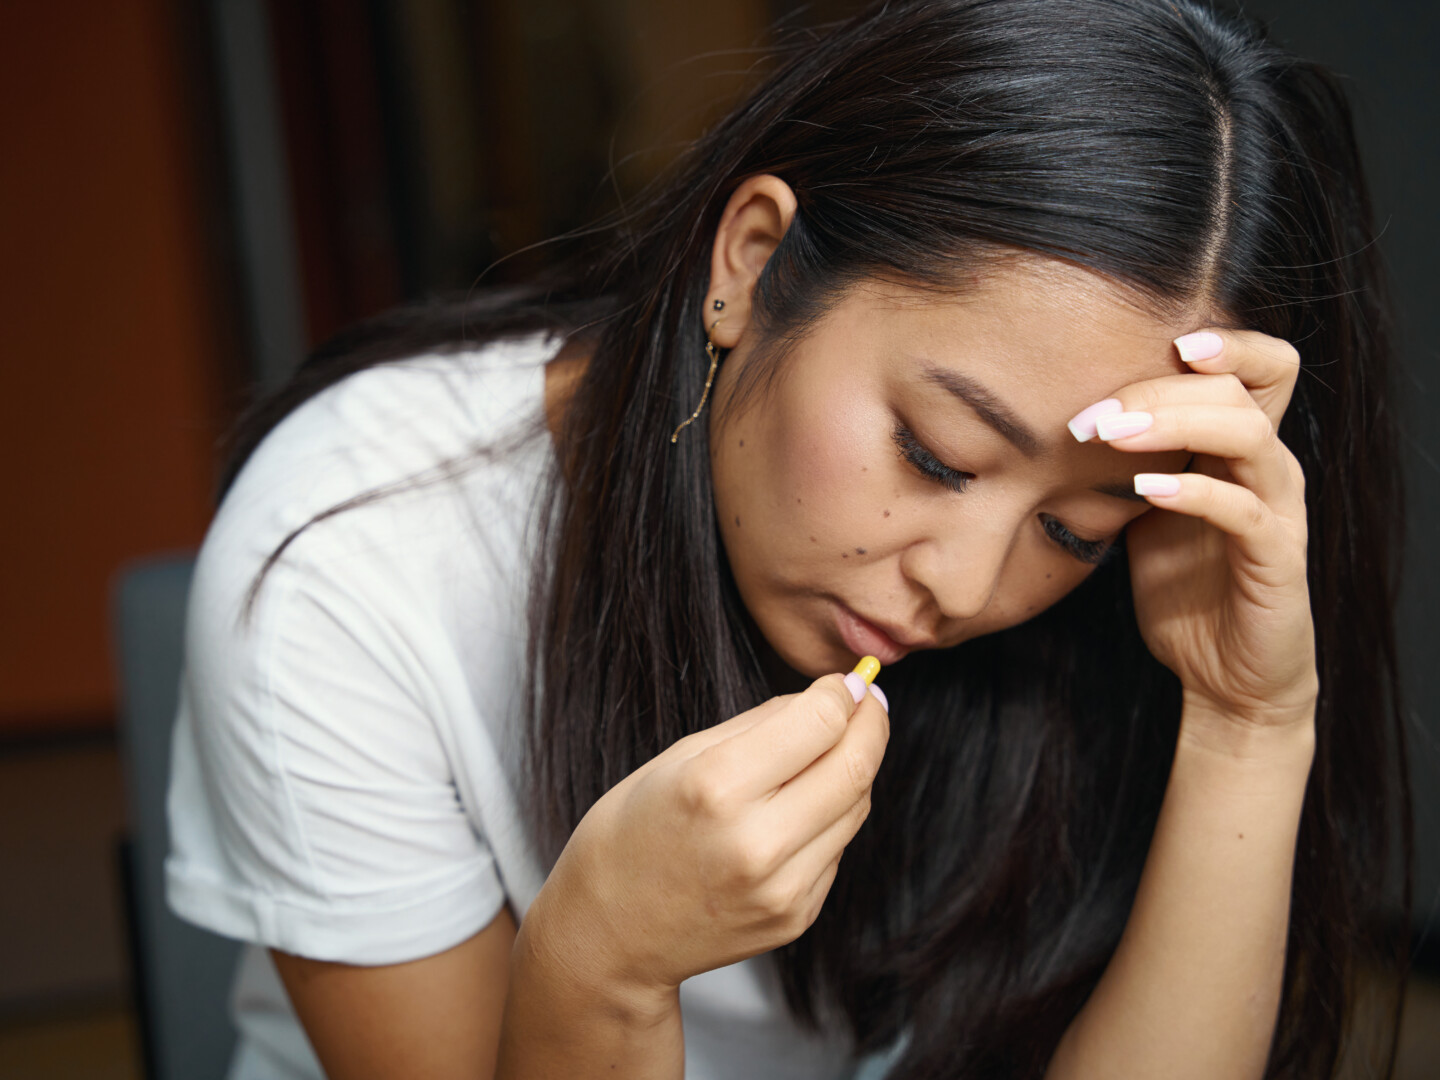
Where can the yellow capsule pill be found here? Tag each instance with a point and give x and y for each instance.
(867, 669)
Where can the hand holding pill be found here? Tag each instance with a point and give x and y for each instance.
(723, 846)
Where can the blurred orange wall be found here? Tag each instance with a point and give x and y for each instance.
(111, 394)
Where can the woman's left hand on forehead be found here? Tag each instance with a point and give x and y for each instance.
(1266, 366)
(1219, 575)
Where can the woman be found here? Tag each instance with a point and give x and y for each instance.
(1053, 375)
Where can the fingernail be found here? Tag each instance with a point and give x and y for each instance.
(880, 697)
(1201, 345)
(867, 668)
(856, 685)
(1147, 483)
(1083, 425)
(1123, 424)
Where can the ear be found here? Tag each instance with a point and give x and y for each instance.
(754, 220)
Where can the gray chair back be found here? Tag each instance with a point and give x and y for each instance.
(183, 973)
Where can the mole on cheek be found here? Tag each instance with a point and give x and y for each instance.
(813, 540)
(737, 521)
(742, 442)
(859, 551)
(887, 513)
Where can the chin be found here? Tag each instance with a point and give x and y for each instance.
(812, 663)
(805, 653)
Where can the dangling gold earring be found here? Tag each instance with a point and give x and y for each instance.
(714, 355)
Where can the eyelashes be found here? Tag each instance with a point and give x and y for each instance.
(923, 460)
(1092, 552)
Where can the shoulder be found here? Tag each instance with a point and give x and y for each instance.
(405, 414)
(335, 756)
(401, 496)
(391, 428)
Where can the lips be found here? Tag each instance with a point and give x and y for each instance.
(864, 637)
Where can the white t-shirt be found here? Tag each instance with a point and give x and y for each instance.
(344, 781)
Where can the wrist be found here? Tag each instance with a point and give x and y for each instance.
(569, 966)
(1279, 733)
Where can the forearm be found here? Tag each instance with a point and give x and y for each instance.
(1194, 986)
(564, 1019)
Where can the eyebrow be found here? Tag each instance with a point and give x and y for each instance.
(1121, 491)
(998, 416)
(986, 406)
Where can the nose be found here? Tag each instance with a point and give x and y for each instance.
(960, 569)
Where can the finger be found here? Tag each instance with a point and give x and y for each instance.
(829, 789)
(1259, 535)
(823, 881)
(1187, 389)
(766, 754)
(696, 742)
(803, 897)
(1267, 366)
(815, 897)
(728, 729)
(1244, 438)
(812, 870)
(1149, 394)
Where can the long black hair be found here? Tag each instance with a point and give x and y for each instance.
(1164, 143)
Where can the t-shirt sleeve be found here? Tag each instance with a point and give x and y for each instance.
(313, 807)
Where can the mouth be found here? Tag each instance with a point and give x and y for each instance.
(865, 638)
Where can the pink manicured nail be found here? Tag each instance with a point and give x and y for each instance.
(880, 696)
(1123, 424)
(856, 685)
(1149, 483)
(1201, 345)
(1083, 424)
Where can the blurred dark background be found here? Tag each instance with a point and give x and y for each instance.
(193, 193)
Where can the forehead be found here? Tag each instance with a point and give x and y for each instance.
(1044, 335)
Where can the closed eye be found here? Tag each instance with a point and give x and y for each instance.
(1093, 552)
(913, 451)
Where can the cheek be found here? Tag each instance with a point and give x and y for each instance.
(820, 460)
(834, 472)
(1037, 579)
(808, 489)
